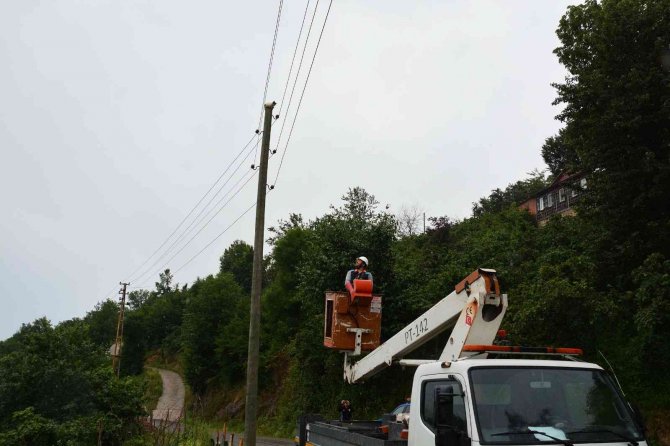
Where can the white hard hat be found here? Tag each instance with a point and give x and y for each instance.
(364, 259)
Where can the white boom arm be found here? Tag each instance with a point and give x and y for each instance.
(474, 310)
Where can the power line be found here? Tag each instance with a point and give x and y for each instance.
(267, 77)
(196, 220)
(295, 117)
(208, 244)
(297, 75)
(104, 296)
(295, 51)
(290, 98)
(201, 228)
(219, 202)
(191, 211)
(215, 238)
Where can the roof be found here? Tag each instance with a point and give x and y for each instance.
(463, 365)
(561, 178)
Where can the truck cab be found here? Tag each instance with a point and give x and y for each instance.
(518, 402)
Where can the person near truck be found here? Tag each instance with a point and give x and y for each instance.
(359, 272)
(345, 410)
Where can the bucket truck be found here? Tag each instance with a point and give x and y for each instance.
(464, 398)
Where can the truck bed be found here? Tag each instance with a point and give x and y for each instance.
(320, 432)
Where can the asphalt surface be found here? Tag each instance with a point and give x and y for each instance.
(170, 406)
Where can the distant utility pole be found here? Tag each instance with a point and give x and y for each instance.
(116, 357)
(251, 408)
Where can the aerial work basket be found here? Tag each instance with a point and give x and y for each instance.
(345, 315)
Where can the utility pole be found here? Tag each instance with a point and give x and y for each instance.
(116, 357)
(251, 407)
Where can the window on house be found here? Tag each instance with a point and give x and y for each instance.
(540, 203)
(574, 192)
(582, 183)
(550, 200)
(561, 195)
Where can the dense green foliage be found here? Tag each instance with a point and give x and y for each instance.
(551, 273)
(512, 196)
(57, 387)
(617, 125)
(617, 131)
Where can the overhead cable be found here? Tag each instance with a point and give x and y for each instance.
(192, 210)
(297, 74)
(215, 238)
(267, 77)
(295, 117)
(197, 219)
(295, 51)
(201, 228)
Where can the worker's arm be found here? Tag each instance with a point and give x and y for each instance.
(347, 283)
(370, 279)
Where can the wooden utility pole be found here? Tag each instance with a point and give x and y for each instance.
(251, 407)
(116, 356)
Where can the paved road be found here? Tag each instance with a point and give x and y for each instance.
(170, 408)
(171, 403)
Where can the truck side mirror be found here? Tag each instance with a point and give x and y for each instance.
(446, 431)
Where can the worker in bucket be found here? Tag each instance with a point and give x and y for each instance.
(359, 272)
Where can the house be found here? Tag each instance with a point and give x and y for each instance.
(558, 198)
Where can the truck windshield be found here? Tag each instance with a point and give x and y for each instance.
(515, 405)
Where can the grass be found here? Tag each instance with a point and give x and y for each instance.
(168, 363)
(154, 388)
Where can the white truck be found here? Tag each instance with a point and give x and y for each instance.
(466, 399)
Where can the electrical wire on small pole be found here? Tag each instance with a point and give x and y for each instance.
(251, 408)
(116, 356)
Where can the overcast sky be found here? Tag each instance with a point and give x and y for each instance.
(116, 117)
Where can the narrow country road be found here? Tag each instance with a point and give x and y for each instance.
(170, 406)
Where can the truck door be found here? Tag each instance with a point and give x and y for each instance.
(443, 414)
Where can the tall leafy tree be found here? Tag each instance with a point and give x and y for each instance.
(102, 322)
(214, 302)
(617, 122)
(238, 260)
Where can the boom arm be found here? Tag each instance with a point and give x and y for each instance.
(474, 310)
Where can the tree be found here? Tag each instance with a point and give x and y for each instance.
(558, 156)
(164, 285)
(358, 205)
(57, 387)
(513, 195)
(410, 220)
(213, 303)
(617, 123)
(238, 260)
(137, 298)
(102, 322)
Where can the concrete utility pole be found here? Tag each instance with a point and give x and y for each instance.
(116, 357)
(251, 407)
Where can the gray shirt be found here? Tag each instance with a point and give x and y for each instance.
(351, 275)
